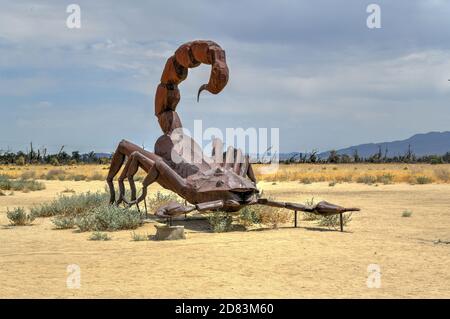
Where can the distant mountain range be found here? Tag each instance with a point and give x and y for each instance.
(432, 143)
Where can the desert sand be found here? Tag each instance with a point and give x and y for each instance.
(303, 262)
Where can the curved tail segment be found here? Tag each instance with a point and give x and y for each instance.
(188, 55)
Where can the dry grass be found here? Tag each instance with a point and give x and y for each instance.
(303, 173)
(359, 173)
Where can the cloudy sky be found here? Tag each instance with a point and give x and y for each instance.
(311, 68)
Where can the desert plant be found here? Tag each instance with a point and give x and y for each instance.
(220, 221)
(73, 205)
(407, 213)
(79, 177)
(160, 199)
(385, 179)
(273, 216)
(20, 161)
(306, 180)
(20, 184)
(307, 215)
(423, 180)
(138, 237)
(18, 217)
(55, 174)
(366, 179)
(109, 218)
(68, 190)
(97, 177)
(248, 216)
(99, 236)
(333, 221)
(442, 174)
(63, 222)
(331, 184)
(28, 175)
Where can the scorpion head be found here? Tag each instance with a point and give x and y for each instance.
(223, 184)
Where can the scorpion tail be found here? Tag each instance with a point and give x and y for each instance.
(188, 55)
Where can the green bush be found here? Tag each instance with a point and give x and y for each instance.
(407, 213)
(366, 179)
(97, 177)
(109, 218)
(220, 221)
(333, 221)
(55, 174)
(160, 199)
(249, 216)
(73, 205)
(385, 179)
(20, 161)
(139, 237)
(80, 177)
(28, 175)
(310, 216)
(423, 180)
(18, 217)
(20, 184)
(63, 222)
(99, 236)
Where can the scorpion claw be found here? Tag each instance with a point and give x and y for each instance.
(202, 88)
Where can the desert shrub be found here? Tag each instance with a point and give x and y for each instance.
(99, 236)
(70, 205)
(2, 193)
(18, 217)
(366, 179)
(442, 174)
(160, 199)
(68, 190)
(333, 221)
(385, 179)
(109, 218)
(306, 180)
(139, 237)
(55, 174)
(97, 177)
(20, 161)
(28, 175)
(331, 184)
(273, 216)
(344, 178)
(79, 177)
(248, 216)
(310, 216)
(220, 221)
(423, 180)
(63, 222)
(54, 161)
(407, 213)
(20, 184)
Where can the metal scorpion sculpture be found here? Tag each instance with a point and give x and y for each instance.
(224, 181)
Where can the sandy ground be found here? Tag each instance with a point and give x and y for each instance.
(287, 263)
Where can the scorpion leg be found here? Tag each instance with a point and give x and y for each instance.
(140, 160)
(124, 149)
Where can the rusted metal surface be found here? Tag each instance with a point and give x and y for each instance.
(225, 181)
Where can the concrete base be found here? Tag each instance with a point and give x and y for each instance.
(169, 232)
